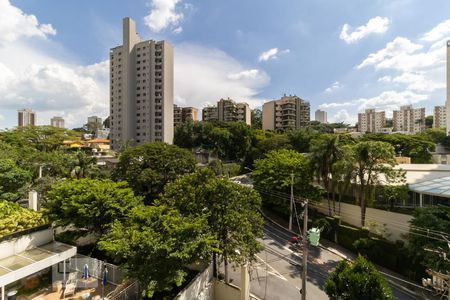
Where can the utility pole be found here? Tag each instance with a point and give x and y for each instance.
(305, 249)
(292, 202)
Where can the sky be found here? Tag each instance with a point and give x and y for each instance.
(341, 56)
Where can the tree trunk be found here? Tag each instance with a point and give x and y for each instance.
(362, 203)
(225, 263)
(215, 265)
(334, 197)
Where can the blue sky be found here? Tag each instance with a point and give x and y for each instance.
(342, 56)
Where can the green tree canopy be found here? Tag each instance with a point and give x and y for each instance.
(357, 280)
(90, 205)
(147, 168)
(155, 244)
(273, 173)
(428, 230)
(14, 218)
(13, 180)
(232, 211)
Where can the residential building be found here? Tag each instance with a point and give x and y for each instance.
(440, 117)
(321, 116)
(141, 89)
(227, 110)
(182, 114)
(57, 122)
(95, 120)
(447, 103)
(287, 112)
(409, 120)
(371, 121)
(210, 114)
(26, 117)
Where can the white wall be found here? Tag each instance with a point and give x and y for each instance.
(28, 241)
(397, 224)
(200, 288)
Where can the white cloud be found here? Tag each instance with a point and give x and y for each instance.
(178, 30)
(418, 82)
(374, 25)
(439, 32)
(272, 54)
(163, 14)
(216, 75)
(14, 24)
(336, 85)
(399, 49)
(385, 79)
(335, 105)
(344, 116)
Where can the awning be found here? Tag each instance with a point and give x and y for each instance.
(21, 265)
(437, 187)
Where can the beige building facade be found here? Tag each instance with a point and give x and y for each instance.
(321, 116)
(409, 120)
(371, 121)
(57, 122)
(26, 117)
(289, 112)
(227, 110)
(447, 102)
(141, 89)
(183, 114)
(440, 117)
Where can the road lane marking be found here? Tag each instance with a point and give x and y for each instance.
(274, 271)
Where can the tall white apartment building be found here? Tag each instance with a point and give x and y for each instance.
(141, 89)
(285, 113)
(440, 117)
(57, 122)
(409, 119)
(371, 121)
(321, 116)
(26, 117)
(447, 103)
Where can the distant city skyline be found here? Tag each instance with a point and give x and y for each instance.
(390, 54)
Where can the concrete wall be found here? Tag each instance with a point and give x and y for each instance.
(200, 288)
(396, 224)
(28, 241)
(224, 291)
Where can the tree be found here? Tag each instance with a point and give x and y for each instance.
(273, 174)
(325, 152)
(301, 138)
(84, 166)
(15, 218)
(90, 205)
(371, 162)
(184, 135)
(149, 167)
(357, 280)
(232, 211)
(428, 230)
(257, 118)
(429, 121)
(13, 180)
(155, 243)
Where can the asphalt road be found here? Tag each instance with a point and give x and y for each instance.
(277, 273)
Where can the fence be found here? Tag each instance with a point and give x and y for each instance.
(130, 292)
(96, 267)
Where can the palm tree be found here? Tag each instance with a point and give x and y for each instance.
(326, 151)
(84, 165)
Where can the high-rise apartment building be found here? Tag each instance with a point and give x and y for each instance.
(447, 103)
(440, 117)
(321, 116)
(210, 114)
(409, 120)
(26, 117)
(141, 89)
(57, 122)
(287, 112)
(182, 114)
(371, 121)
(227, 110)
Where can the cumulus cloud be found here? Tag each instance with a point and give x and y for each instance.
(442, 30)
(336, 85)
(14, 24)
(335, 105)
(386, 78)
(272, 54)
(374, 25)
(164, 14)
(344, 116)
(216, 75)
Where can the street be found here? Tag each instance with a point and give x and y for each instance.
(277, 272)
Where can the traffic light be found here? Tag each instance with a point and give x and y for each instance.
(314, 236)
